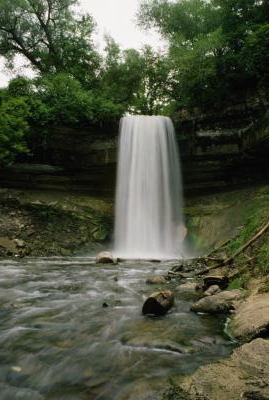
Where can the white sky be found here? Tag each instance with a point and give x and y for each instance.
(114, 17)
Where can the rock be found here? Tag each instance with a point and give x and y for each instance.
(244, 373)
(221, 280)
(219, 303)
(158, 303)
(251, 318)
(105, 257)
(214, 289)
(156, 280)
(8, 245)
(188, 287)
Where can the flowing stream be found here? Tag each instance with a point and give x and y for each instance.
(73, 330)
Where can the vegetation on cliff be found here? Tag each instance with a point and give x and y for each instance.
(218, 51)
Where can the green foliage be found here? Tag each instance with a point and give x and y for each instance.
(13, 129)
(218, 48)
(50, 36)
(154, 92)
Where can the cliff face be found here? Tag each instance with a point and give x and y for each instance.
(217, 150)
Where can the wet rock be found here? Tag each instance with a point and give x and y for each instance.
(105, 257)
(214, 289)
(243, 373)
(251, 319)
(158, 303)
(219, 303)
(156, 280)
(221, 280)
(188, 287)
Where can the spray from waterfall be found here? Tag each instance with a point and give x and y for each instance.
(149, 221)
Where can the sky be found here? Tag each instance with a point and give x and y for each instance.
(113, 17)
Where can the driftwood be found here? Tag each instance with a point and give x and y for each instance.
(158, 303)
(229, 260)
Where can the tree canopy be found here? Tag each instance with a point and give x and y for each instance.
(211, 46)
(217, 52)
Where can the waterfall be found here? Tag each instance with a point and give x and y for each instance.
(149, 221)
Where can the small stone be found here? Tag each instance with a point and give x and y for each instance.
(214, 289)
(189, 286)
(16, 368)
(105, 257)
(104, 305)
(156, 280)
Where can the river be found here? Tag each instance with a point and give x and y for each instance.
(73, 330)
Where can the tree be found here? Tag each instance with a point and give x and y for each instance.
(211, 47)
(154, 91)
(50, 36)
(121, 73)
(13, 129)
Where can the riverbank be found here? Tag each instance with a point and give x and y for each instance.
(244, 263)
(50, 223)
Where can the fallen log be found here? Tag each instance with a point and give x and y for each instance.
(158, 303)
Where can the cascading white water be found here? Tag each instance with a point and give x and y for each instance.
(149, 221)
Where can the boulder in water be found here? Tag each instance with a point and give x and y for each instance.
(219, 303)
(158, 303)
(105, 257)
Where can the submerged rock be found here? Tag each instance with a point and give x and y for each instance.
(242, 375)
(219, 303)
(252, 318)
(105, 257)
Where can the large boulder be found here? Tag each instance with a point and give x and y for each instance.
(244, 375)
(219, 303)
(252, 318)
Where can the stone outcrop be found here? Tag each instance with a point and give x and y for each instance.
(244, 375)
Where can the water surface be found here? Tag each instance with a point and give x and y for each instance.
(72, 330)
